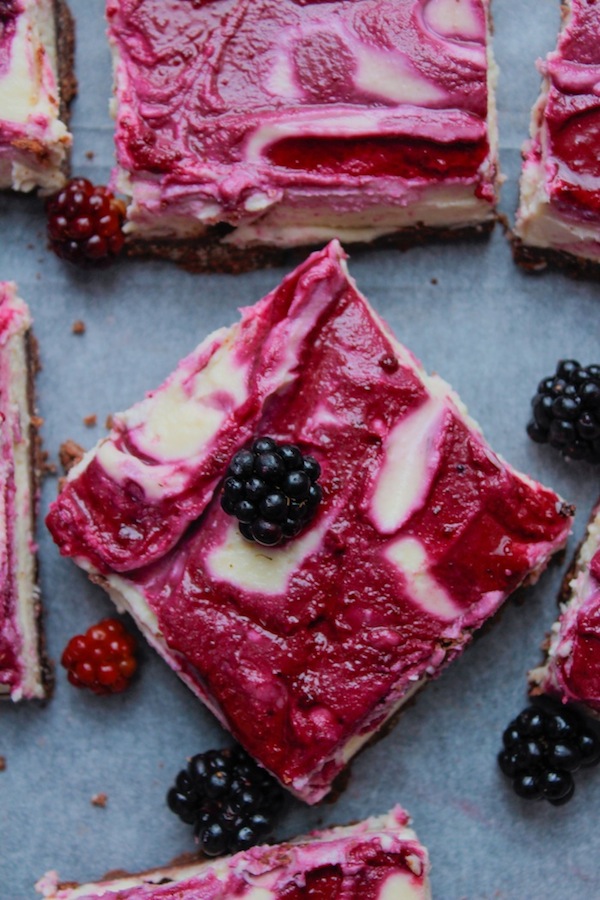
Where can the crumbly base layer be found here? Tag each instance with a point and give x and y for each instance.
(210, 254)
(536, 260)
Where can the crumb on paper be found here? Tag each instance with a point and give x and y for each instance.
(434, 281)
(109, 422)
(99, 800)
(2, 763)
(90, 420)
(78, 327)
(37, 421)
(89, 154)
(70, 454)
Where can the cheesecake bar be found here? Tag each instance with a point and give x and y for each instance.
(558, 219)
(304, 650)
(36, 87)
(243, 128)
(23, 673)
(377, 859)
(572, 668)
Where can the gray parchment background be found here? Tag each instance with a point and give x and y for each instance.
(493, 332)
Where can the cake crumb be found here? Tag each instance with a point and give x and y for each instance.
(37, 421)
(99, 800)
(89, 154)
(78, 327)
(2, 763)
(90, 420)
(70, 454)
(434, 281)
(109, 422)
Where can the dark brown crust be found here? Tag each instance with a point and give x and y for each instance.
(210, 254)
(536, 260)
(65, 50)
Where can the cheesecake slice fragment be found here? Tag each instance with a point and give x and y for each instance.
(36, 87)
(572, 667)
(377, 859)
(306, 649)
(558, 220)
(23, 673)
(243, 128)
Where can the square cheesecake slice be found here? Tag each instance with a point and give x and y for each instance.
(572, 668)
(23, 671)
(243, 128)
(558, 220)
(304, 650)
(36, 87)
(377, 859)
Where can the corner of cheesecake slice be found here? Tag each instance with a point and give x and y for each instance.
(558, 219)
(24, 672)
(571, 670)
(37, 84)
(379, 858)
(306, 649)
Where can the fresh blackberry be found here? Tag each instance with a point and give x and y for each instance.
(102, 659)
(9, 9)
(85, 223)
(543, 746)
(228, 798)
(566, 411)
(272, 490)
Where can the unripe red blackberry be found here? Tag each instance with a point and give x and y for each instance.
(102, 660)
(85, 223)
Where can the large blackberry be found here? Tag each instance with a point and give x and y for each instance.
(566, 411)
(272, 490)
(85, 223)
(543, 746)
(231, 802)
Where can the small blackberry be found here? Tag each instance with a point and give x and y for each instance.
(85, 223)
(102, 659)
(543, 746)
(272, 490)
(229, 799)
(566, 411)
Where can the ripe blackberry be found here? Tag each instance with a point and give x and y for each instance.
(231, 802)
(272, 490)
(102, 659)
(566, 411)
(543, 746)
(85, 223)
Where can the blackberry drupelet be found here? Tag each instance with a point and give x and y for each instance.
(229, 799)
(102, 659)
(272, 490)
(85, 223)
(566, 411)
(543, 746)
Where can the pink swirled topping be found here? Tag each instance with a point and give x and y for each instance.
(573, 669)
(572, 114)
(422, 533)
(247, 96)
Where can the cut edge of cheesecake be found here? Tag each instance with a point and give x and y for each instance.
(32, 162)
(257, 871)
(572, 595)
(21, 475)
